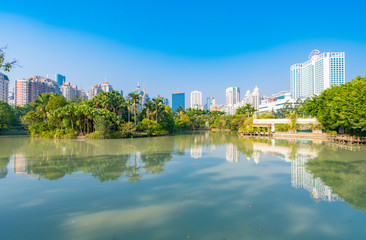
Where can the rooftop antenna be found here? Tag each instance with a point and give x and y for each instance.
(105, 77)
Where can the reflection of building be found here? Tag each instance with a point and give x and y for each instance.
(300, 178)
(196, 151)
(3, 171)
(20, 164)
(232, 153)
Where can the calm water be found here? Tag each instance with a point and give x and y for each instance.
(198, 186)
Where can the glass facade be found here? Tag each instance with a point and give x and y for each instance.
(321, 71)
(178, 100)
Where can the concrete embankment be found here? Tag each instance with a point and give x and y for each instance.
(309, 136)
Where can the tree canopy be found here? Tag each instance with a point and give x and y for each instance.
(341, 106)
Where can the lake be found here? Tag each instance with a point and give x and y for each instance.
(204, 186)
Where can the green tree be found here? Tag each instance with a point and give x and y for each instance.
(341, 107)
(248, 110)
(6, 115)
(135, 99)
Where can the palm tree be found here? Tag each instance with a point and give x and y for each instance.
(158, 106)
(41, 102)
(135, 99)
(149, 108)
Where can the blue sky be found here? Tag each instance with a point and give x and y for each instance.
(180, 45)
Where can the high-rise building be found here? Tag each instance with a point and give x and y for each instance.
(321, 71)
(178, 100)
(166, 101)
(26, 90)
(232, 95)
(196, 100)
(60, 79)
(232, 99)
(69, 91)
(210, 101)
(4, 87)
(98, 88)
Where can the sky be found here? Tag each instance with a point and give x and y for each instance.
(183, 46)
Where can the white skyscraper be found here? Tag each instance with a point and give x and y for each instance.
(256, 98)
(232, 99)
(196, 100)
(232, 95)
(321, 71)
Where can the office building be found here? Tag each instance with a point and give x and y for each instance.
(232, 95)
(60, 79)
(210, 101)
(232, 99)
(26, 90)
(98, 88)
(321, 71)
(178, 100)
(4, 87)
(196, 100)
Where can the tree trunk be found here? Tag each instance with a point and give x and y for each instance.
(81, 130)
(134, 113)
(72, 122)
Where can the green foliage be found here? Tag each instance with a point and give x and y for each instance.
(152, 127)
(102, 126)
(7, 116)
(329, 132)
(341, 107)
(248, 110)
(54, 102)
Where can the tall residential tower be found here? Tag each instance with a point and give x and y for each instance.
(4, 87)
(321, 71)
(196, 100)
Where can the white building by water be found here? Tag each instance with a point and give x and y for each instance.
(277, 102)
(320, 72)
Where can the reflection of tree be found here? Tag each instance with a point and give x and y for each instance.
(345, 172)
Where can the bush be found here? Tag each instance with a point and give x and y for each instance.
(329, 132)
(103, 126)
(152, 127)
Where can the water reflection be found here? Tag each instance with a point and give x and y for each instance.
(328, 173)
